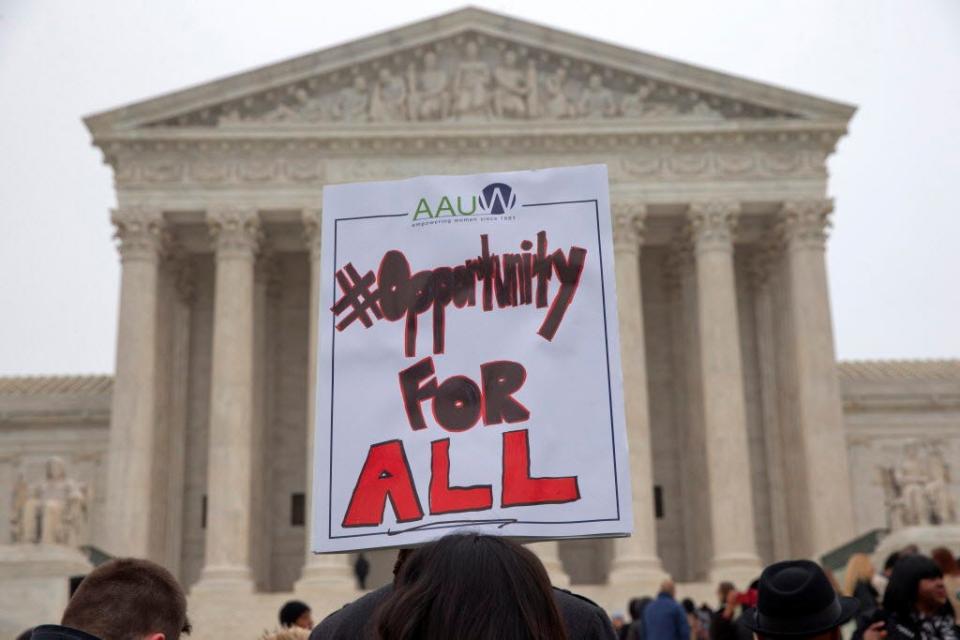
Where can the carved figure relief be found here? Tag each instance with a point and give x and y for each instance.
(917, 488)
(471, 78)
(50, 512)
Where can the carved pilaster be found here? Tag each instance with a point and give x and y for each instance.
(312, 234)
(804, 223)
(677, 263)
(140, 233)
(629, 227)
(763, 261)
(269, 272)
(712, 225)
(235, 231)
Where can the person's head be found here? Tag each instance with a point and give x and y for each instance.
(688, 605)
(723, 590)
(859, 569)
(796, 601)
(916, 586)
(636, 607)
(129, 599)
(945, 560)
(296, 614)
(890, 562)
(470, 585)
(617, 620)
(668, 587)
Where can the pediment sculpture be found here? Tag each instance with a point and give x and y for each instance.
(53, 511)
(917, 489)
(472, 78)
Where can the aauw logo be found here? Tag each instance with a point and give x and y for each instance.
(494, 199)
(497, 198)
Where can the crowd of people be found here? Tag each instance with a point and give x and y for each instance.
(477, 587)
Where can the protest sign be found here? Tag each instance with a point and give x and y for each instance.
(468, 367)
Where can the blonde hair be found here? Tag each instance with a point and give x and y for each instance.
(859, 569)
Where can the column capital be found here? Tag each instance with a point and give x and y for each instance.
(140, 233)
(804, 223)
(312, 234)
(235, 231)
(712, 224)
(629, 226)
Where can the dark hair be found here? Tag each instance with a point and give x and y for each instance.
(891, 561)
(900, 596)
(128, 598)
(291, 612)
(470, 586)
(636, 607)
(946, 561)
(688, 605)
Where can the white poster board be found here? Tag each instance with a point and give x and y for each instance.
(468, 367)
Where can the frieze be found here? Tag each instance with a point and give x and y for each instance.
(471, 77)
(146, 167)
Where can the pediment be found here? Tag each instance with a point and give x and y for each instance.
(470, 66)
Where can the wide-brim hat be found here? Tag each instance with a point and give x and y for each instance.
(796, 599)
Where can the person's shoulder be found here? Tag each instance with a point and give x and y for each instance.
(583, 618)
(349, 620)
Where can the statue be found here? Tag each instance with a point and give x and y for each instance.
(634, 105)
(557, 104)
(917, 489)
(515, 93)
(353, 101)
(50, 512)
(389, 100)
(597, 100)
(428, 99)
(471, 86)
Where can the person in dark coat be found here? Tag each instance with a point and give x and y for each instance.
(361, 569)
(581, 618)
(634, 631)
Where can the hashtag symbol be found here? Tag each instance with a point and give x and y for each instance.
(357, 296)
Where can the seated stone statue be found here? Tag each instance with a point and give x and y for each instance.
(52, 511)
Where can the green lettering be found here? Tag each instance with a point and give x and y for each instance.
(467, 213)
(423, 208)
(444, 206)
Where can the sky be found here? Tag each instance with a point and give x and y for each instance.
(894, 251)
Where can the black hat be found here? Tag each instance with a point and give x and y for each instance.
(291, 611)
(796, 599)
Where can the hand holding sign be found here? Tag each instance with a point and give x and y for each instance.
(512, 420)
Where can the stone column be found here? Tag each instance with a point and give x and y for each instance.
(331, 571)
(236, 235)
(133, 425)
(549, 554)
(761, 272)
(819, 409)
(728, 460)
(635, 559)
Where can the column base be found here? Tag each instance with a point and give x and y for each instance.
(739, 568)
(236, 579)
(644, 573)
(326, 572)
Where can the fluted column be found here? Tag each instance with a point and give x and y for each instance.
(728, 459)
(133, 424)
(819, 409)
(235, 232)
(635, 559)
(331, 571)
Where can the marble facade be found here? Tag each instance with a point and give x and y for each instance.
(740, 426)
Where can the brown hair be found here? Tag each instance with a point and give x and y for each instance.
(945, 560)
(128, 598)
(470, 586)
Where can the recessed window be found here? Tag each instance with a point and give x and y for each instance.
(203, 512)
(658, 501)
(297, 511)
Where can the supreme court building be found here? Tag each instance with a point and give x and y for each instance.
(747, 442)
